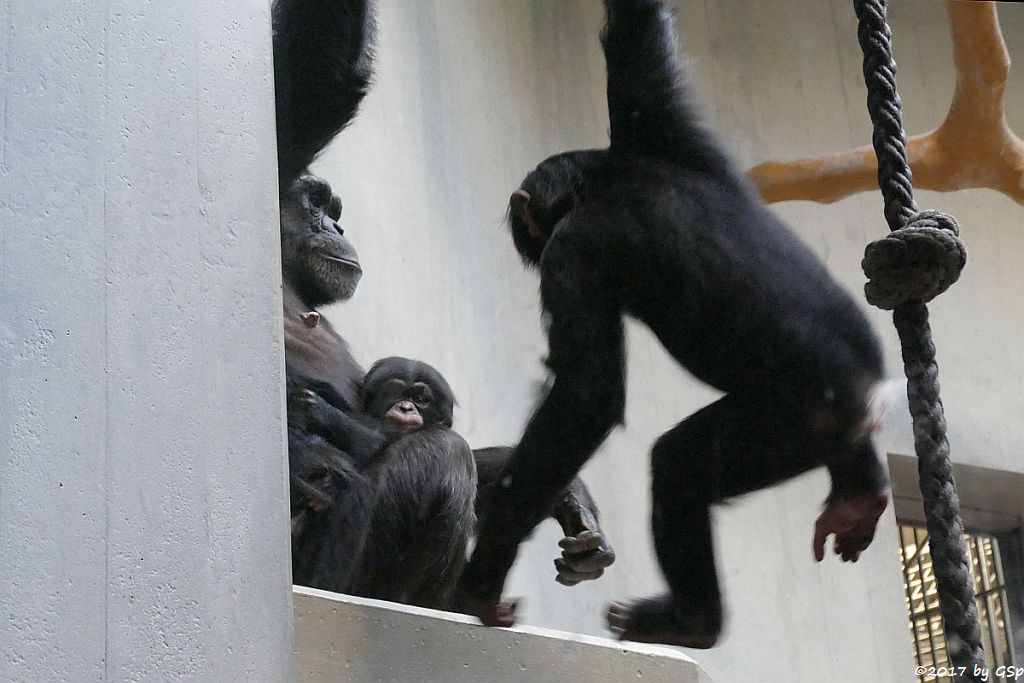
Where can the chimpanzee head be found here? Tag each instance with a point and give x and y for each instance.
(546, 196)
(316, 257)
(407, 393)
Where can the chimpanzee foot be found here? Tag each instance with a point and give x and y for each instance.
(658, 620)
(489, 612)
(500, 614)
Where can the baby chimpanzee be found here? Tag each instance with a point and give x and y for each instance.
(401, 520)
(663, 228)
(396, 396)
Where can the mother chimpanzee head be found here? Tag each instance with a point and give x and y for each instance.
(316, 257)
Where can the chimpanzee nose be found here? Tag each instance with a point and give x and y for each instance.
(327, 223)
(406, 406)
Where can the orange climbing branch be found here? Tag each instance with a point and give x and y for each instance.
(973, 147)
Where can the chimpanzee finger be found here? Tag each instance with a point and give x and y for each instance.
(587, 540)
(571, 581)
(618, 616)
(569, 576)
(566, 566)
(821, 532)
(850, 547)
(589, 561)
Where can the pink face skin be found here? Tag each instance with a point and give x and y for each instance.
(405, 415)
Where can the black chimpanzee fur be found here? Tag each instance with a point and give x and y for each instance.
(663, 228)
(424, 477)
(323, 65)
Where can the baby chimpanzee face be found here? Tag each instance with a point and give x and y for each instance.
(408, 393)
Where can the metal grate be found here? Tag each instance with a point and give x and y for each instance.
(922, 600)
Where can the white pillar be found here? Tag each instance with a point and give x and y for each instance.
(143, 523)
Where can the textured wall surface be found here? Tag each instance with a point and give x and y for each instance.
(471, 95)
(143, 519)
(339, 638)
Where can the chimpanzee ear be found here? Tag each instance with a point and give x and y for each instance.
(449, 413)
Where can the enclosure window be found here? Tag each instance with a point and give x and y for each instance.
(922, 600)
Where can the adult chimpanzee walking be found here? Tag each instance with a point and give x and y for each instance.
(663, 228)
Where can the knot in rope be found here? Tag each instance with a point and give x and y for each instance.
(915, 263)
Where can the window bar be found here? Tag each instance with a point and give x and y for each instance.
(907, 559)
(933, 626)
(1007, 629)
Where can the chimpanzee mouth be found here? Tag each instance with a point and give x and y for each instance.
(354, 265)
(405, 416)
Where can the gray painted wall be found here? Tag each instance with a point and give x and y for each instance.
(143, 519)
(471, 95)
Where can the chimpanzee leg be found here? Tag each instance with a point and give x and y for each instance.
(740, 443)
(335, 537)
(444, 537)
(417, 547)
(425, 487)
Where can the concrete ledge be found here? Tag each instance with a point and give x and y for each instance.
(342, 638)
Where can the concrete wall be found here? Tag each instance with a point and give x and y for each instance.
(471, 95)
(338, 638)
(143, 518)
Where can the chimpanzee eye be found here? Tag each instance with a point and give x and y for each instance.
(421, 401)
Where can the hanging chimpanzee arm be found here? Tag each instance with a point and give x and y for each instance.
(649, 101)
(322, 69)
(859, 496)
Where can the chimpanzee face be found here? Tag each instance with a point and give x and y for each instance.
(316, 256)
(408, 393)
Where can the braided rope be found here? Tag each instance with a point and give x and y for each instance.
(919, 260)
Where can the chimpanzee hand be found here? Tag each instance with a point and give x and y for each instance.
(584, 557)
(853, 521)
(307, 410)
(299, 407)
